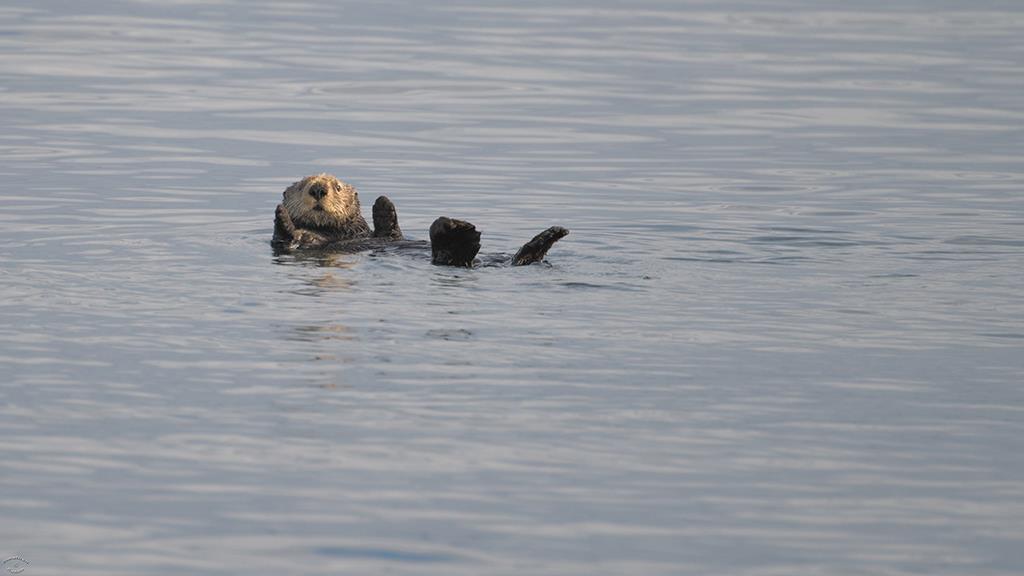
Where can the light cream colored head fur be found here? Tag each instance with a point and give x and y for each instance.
(322, 201)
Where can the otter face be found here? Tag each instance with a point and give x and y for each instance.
(321, 201)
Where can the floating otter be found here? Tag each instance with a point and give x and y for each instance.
(323, 212)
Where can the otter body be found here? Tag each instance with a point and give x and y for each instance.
(323, 212)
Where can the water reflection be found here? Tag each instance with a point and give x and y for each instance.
(313, 258)
(321, 332)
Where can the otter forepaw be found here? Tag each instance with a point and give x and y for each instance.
(284, 229)
(535, 249)
(385, 219)
(453, 242)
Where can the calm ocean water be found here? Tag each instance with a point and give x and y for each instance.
(784, 337)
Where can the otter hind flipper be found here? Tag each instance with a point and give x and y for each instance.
(535, 249)
(385, 219)
(453, 242)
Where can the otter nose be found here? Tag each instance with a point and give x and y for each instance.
(318, 191)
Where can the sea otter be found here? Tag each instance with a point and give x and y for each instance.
(323, 212)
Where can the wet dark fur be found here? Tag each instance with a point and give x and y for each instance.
(321, 212)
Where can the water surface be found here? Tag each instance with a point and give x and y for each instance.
(784, 336)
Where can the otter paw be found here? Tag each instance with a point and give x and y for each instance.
(385, 219)
(284, 229)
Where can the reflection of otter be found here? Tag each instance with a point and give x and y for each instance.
(323, 212)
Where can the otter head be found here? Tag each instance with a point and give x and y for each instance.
(321, 201)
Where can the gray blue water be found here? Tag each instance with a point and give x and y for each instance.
(785, 336)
